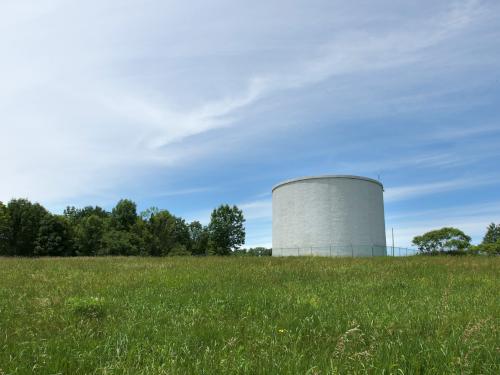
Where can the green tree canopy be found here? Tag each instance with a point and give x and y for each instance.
(199, 238)
(89, 235)
(148, 213)
(179, 250)
(124, 214)
(487, 248)
(25, 219)
(28, 229)
(226, 230)
(167, 231)
(492, 234)
(444, 240)
(4, 230)
(259, 251)
(491, 241)
(120, 242)
(54, 237)
(75, 215)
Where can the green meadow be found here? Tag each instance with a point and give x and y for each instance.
(227, 315)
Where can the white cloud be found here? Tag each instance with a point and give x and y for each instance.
(420, 160)
(259, 209)
(74, 120)
(453, 132)
(188, 191)
(472, 219)
(399, 193)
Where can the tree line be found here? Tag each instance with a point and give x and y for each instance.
(450, 240)
(28, 229)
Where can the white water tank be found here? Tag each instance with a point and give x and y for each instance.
(330, 216)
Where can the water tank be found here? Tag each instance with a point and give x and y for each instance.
(329, 216)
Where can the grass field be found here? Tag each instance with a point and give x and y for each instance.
(250, 315)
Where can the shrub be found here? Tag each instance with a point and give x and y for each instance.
(179, 250)
(486, 248)
(117, 242)
(255, 252)
(87, 307)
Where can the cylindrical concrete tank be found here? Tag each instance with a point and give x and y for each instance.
(329, 216)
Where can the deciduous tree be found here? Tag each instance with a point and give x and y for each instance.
(199, 238)
(226, 230)
(4, 230)
(492, 234)
(167, 231)
(25, 218)
(54, 237)
(119, 242)
(89, 234)
(124, 215)
(444, 240)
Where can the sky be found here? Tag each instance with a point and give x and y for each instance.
(186, 105)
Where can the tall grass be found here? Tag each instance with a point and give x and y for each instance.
(214, 315)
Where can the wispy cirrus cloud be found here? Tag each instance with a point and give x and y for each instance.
(99, 99)
(259, 209)
(470, 218)
(490, 209)
(450, 133)
(393, 163)
(393, 194)
(187, 191)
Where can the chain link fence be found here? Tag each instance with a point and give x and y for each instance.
(345, 251)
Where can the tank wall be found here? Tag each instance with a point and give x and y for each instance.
(329, 216)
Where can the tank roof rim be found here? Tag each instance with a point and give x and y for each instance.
(321, 177)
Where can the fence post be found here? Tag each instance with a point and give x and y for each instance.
(372, 251)
(311, 250)
(330, 250)
(352, 251)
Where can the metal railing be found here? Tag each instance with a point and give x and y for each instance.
(345, 251)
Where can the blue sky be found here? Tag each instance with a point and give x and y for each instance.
(185, 105)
